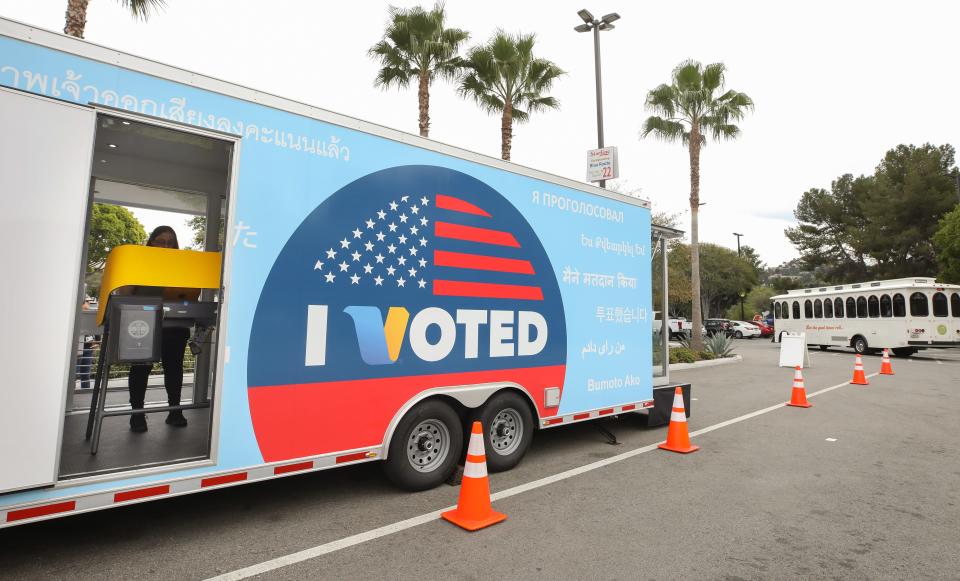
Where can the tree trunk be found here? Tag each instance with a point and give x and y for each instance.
(697, 338)
(76, 19)
(423, 95)
(506, 131)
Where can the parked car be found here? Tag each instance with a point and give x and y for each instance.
(743, 329)
(714, 326)
(679, 326)
(765, 329)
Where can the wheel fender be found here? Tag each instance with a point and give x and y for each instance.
(470, 396)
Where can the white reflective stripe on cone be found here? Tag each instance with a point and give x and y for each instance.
(678, 416)
(678, 400)
(474, 470)
(476, 445)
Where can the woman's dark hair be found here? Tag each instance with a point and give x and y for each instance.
(162, 230)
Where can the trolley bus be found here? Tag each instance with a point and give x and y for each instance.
(904, 314)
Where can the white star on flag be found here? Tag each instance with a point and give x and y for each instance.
(391, 249)
(422, 283)
(357, 233)
(380, 236)
(370, 224)
(345, 243)
(331, 253)
(413, 251)
(403, 218)
(392, 227)
(402, 261)
(402, 239)
(381, 214)
(423, 221)
(423, 242)
(354, 279)
(344, 266)
(423, 262)
(379, 258)
(415, 209)
(404, 198)
(367, 269)
(412, 271)
(393, 206)
(400, 281)
(356, 256)
(368, 246)
(330, 276)
(391, 270)
(424, 200)
(414, 230)
(378, 280)
(318, 266)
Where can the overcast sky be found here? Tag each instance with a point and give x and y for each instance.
(836, 84)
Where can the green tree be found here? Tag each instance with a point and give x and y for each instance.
(947, 242)
(750, 254)
(111, 226)
(724, 275)
(418, 45)
(914, 190)
(688, 109)
(505, 78)
(76, 17)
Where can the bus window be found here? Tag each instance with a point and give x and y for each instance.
(785, 310)
(796, 310)
(818, 309)
(838, 307)
(808, 309)
(828, 308)
(776, 310)
(940, 305)
(899, 306)
(919, 306)
(861, 308)
(851, 308)
(955, 304)
(873, 306)
(886, 307)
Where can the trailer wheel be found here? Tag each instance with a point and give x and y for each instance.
(425, 447)
(823, 347)
(904, 351)
(860, 345)
(507, 430)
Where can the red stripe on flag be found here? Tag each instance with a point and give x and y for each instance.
(225, 479)
(458, 205)
(480, 262)
(141, 493)
(35, 511)
(457, 288)
(474, 234)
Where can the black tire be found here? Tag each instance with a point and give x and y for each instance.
(904, 351)
(507, 430)
(738, 335)
(860, 345)
(823, 347)
(431, 426)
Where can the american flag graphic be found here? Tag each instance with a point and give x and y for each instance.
(401, 245)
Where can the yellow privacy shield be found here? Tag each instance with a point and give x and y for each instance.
(162, 267)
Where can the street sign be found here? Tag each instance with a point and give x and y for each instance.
(602, 164)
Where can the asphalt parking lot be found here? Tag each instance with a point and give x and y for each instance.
(863, 485)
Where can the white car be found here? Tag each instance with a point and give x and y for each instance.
(741, 329)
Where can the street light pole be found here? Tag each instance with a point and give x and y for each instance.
(739, 255)
(591, 23)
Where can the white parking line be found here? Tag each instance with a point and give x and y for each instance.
(327, 548)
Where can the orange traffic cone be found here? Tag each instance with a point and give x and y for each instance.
(473, 510)
(885, 367)
(678, 440)
(799, 396)
(859, 378)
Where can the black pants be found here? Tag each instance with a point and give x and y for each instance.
(173, 343)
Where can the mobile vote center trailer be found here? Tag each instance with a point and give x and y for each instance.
(372, 291)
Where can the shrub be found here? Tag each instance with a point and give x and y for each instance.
(706, 355)
(682, 355)
(720, 345)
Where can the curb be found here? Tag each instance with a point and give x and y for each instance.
(709, 363)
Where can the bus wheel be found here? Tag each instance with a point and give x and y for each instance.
(860, 345)
(904, 351)
(425, 447)
(507, 430)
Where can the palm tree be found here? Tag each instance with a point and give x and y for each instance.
(505, 78)
(417, 44)
(691, 107)
(77, 13)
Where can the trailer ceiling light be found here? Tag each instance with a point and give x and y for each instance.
(125, 122)
(112, 145)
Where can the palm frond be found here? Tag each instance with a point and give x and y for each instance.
(665, 129)
(142, 8)
(713, 76)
